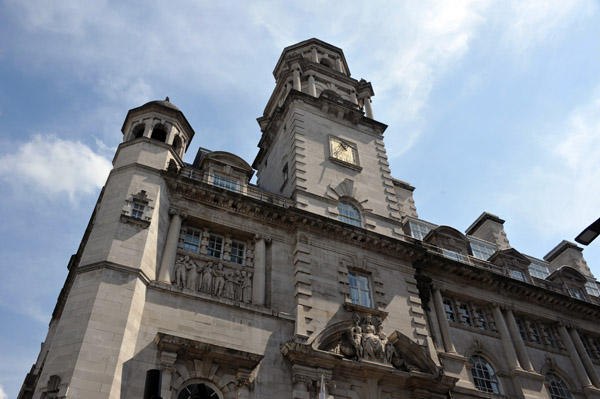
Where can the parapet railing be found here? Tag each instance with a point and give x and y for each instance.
(248, 190)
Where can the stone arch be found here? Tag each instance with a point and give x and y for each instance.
(550, 367)
(412, 353)
(346, 189)
(159, 133)
(178, 145)
(137, 131)
(478, 349)
(211, 387)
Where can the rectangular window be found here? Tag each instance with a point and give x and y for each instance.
(481, 319)
(215, 246)
(448, 253)
(586, 346)
(522, 330)
(192, 240)
(517, 275)
(137, 210)
(596, 346)
(535, 333)
(418, 231)
(226, 183)
(576, 293)
(592, 288)
(482, 251)
(449, 309)
(550, 337)
(465, 315)
(237, 252)
(284, 172)
(360, 293)
(538, 270)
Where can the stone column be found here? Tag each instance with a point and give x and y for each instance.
(507, 344)
(368, 109)
(587, 363)
(518, 341)
(313, 54)
(165, 273)
(296, 81)
(438, 304)
(243, 383)
(353, 97)
(260, 267)
(167, 366)
(301, 385)
(577, 365)
(312, 89)
(338, 64)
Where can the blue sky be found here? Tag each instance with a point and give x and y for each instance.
(491, 106)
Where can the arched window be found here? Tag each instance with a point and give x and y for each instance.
(197, 391)
(158, 133)
(484, 376)
(557, 388)
(177, 144)
(138, 132)
(348, 213)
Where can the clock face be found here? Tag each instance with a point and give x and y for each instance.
(342, 150)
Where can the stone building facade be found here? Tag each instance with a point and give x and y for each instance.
(319, 280)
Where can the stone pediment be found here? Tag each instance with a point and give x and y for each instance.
(448, 237)
(227, 158)
(362, 339)
(509, 257)
(567, 273)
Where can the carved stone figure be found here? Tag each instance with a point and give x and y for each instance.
(218, 280)
(246, 287)
(355, 336)
(207, 278)
(371, 342)
(230, 282)
(191, 274)
(239, 280)
(180, 274)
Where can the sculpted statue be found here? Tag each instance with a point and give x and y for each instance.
(191, 271)
(355, 335)
(218, 280)
(246, 287)
(239, 280)
(180, 274)
(371, 342)
(207, 278)
(229, 290)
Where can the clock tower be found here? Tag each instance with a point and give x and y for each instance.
(321, 145)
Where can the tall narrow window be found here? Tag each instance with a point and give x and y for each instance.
(237, 252)
(137, 210)
(481, 319)
(192, 240)
(550, 339)
(360, 293)
(215, 246)
(465, 315)
(535, 333)
(484, 376)
(348, 213)
(557, 388)
(449, 309)
(522, 330)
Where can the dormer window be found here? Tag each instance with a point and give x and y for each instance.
(576, 293)
(225, 183)
(482, 251)
(539, 270)
(448, 253)
(349, 214)
(517, 274)
(592, 288)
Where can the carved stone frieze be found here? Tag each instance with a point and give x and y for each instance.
(213, 279)
(365, 340)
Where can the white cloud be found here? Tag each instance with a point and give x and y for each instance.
(51, 166)
(566, 183)
(3, 394)
(534, 21)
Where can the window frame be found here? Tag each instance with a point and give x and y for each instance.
(591, 287)
(485, 383)
(358, 277)
(226, 183)
(242, 257)
(555, 383)
(345, 217)
(187, 244)
(210, 251)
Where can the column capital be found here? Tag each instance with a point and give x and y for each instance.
(267, 239)
(174, 211)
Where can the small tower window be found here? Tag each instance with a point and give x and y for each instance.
(348, 213)
(138, 132)
(177, 144)
(158, 133)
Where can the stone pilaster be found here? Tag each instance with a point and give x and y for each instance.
(577, 364)
(169, 254)
(507, 344)
(438, 304)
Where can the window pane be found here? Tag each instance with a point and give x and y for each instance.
(347, 213)
(484, 376)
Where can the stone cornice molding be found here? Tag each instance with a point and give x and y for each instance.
(114, 266)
